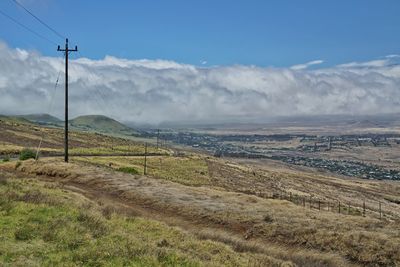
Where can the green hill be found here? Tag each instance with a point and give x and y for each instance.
(14, 119)
(100, 123)
(41, 119)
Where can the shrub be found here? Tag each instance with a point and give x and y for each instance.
(268, 218)
(27, 154)
(25, 232)
(18, 164)
(128, 170)
(6, 159)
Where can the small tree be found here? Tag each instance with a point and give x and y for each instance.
(27, 153)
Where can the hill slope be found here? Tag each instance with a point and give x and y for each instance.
(14, 119)
(64, 228)
(41, 118)
(17, 133)
(100, 123)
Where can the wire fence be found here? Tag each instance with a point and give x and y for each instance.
(368, 208)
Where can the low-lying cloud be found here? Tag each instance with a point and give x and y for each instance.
(154, 91)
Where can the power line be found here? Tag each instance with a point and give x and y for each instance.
(49, 112)
(55, 90)
(102, 96)
(27, 28)
(38, 19)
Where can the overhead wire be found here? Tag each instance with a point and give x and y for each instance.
(52, 98)
(27, 28)
(38, 19)
(100, 95)
(50, 109)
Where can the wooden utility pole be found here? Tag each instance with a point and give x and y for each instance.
(66, 50)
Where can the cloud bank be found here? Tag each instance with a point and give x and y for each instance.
(154, 91)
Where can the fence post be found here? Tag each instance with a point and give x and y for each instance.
(319, 204)
(364, 208)
(339, 207)
(310, 203)
(380, 210)
(290, 196)
(348, 210)
(304, 201)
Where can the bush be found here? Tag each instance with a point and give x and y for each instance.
(27, 154)
(6, 159)
(128, 170)
(25, 232)
(18, 164)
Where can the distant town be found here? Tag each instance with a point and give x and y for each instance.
(246, 146)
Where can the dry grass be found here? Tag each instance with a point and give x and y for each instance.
(190, 170)
(264, 177)
(16, 136)
(75, 233)
(312, 237)
(293, 257)
(200, 193)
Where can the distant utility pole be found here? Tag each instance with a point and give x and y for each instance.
(66, 50)
(158, 137)
(145, 159)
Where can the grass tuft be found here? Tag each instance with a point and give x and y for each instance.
(27, 154)
(130, 170)
(94, 222)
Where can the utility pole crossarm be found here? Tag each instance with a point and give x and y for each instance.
(66, 50)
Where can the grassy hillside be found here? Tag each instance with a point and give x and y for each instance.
(14, 120)
(213, 199)
(18, 133)
(42, 119)
(43, 224)
(100, 123)
(272, 227)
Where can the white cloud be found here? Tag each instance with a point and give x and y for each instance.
(154, 91)
(368, 64)
(306, 65)
(393, 56)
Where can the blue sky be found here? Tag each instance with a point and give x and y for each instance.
(263, 33)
